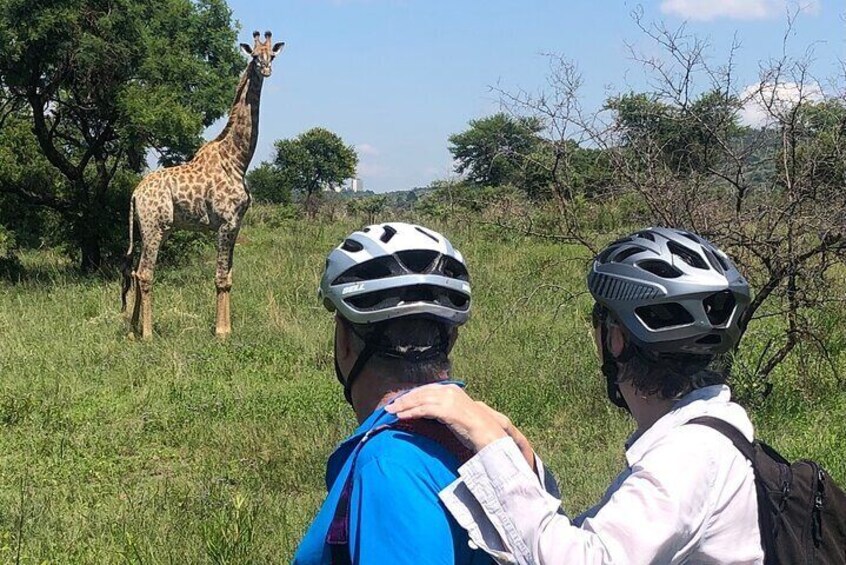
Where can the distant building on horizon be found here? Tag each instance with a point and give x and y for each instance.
(357, 185)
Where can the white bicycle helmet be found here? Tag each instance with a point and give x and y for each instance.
(673, 291)
(394, 270)
(389, 271)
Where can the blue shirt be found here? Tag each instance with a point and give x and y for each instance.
(395, 513)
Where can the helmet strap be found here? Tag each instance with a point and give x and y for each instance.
(370, 347)
(611, 369)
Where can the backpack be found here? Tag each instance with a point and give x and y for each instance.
(801, 512)
(338, 537)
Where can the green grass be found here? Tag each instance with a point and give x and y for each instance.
(190, 450)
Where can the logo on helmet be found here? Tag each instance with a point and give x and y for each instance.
(353, 288)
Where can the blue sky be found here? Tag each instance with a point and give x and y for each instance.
(396, 78)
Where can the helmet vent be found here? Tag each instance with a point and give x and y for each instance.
(660, 316)
(454, 269)
(427, 234)
(418, 260)
(378, 268)
(602, 258)
(351, 245)
(645, 235)
(713, 260)
(689, 236)
(710, 339)
(722, 261)
(389, 233)
(392, 297)
(687, 255)
(660, 269)
(626, 253)
(719, 307)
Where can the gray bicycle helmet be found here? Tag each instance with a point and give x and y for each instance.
(394, 270)
(672, 290)
(389, 271)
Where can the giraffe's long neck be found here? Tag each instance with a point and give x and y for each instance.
(238, 139)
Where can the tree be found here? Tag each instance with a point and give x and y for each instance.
(96, 85)
(315, 160)
(492, 151)
(267, 183)
(683, 137)
(370, 207)
(771, 196)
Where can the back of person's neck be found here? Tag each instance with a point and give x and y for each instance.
(646, 409)
(371, 391)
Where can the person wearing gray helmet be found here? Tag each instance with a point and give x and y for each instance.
(399, 293)
(666, 303)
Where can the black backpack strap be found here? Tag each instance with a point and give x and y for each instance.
(766, 509)
(743, 445)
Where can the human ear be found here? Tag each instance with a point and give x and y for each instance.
(616, 340)
(344, 350)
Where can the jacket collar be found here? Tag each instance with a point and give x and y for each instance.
(712, 400)
(377, 418)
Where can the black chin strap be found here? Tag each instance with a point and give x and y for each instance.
(371, 345)
(611, 369)
(375, 343)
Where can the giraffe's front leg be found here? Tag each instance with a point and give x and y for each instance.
(226, 237)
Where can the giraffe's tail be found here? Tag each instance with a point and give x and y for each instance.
(126, 269)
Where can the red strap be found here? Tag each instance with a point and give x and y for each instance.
(438, 433)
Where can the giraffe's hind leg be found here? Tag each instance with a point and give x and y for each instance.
(142, 313)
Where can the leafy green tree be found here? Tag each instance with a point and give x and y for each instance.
(493, 150)
(819, 146)
(683, 138)
(94, 86)
(314, 160)
(373, 207)
(267, 183)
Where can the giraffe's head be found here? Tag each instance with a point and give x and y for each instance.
(262, 52)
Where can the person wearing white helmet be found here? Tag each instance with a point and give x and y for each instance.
(666, 303)
(399, 292)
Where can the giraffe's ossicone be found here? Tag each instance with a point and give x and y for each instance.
(207, 192)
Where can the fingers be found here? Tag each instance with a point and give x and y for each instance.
(432, 394)
(422, 411)
(475, 424)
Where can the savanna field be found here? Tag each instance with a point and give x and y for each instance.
(189, 450)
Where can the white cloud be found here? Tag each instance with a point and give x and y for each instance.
(707, 10)
(763, 103)
(366, 149)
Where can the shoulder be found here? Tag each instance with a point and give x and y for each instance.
(408, 454)
(691, 454)
(395, 486)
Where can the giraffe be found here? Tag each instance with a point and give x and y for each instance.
(208, 192)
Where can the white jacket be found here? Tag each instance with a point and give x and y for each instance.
(687, 496)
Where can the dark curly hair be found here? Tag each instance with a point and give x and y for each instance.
(667, 375)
